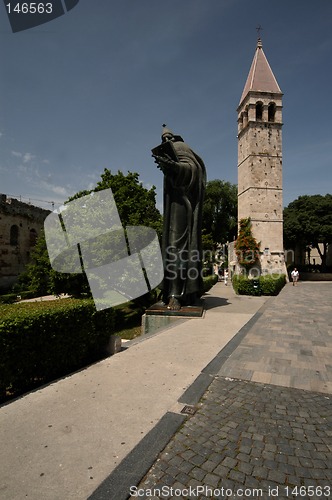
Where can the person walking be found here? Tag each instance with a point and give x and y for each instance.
(295, 276)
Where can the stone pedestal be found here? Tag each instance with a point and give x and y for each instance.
(159, 316)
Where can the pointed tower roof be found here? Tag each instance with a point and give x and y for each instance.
(261, 77)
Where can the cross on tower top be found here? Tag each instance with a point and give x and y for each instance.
(259, 29)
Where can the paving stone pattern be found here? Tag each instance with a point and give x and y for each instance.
(291, 342)
(251, 437)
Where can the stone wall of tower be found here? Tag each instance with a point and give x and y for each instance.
(20, 225)
(260, 176)
(260, 180)
(258, 167)
(260, 138)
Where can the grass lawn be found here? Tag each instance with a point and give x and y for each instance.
(130, 333)
(130, 325)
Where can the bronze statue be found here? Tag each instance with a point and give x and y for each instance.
(184, 185)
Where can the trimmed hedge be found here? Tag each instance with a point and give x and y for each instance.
(41, 341)
(271, 285)
(209, 281)
(8, 298)
(267, 285)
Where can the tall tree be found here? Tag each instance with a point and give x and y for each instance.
(220, 211)
(135, 203)
(136, 206)
(308, 221)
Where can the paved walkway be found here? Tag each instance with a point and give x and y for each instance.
(291, 344)
(234, 405)
(260, 431)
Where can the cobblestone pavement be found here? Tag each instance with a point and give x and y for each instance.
(261, 439)
(249, 440)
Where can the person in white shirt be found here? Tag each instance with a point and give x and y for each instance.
(295, 276)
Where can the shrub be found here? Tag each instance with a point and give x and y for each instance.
(41, 341)
(242, 285)
(272, 284)
(209, 281)
(8, 298)
(268, 284)
(28, 294)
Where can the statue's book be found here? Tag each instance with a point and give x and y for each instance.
(165, 149)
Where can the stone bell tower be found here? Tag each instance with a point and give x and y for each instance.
(260, 161)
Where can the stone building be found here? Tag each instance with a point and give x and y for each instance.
(20, 225)
(260, 161)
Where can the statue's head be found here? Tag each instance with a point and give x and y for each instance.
(167, 135)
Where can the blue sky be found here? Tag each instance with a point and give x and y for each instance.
(91, 89)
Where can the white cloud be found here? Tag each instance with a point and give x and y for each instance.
(17, 154)
(25, 156)
(28, 157)
(59, 190)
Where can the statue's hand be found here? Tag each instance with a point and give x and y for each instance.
(168, 160)
(158, 160)
(164, 162)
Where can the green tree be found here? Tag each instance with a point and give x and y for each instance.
(136, 206)
(308, 221)
(246, 246)
(42, 279)
(220, 211)
(135, 203)
(37, 274)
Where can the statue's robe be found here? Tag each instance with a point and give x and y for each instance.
(184, 186)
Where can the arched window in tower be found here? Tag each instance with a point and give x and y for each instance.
(259, 110)
(241, 122)
(13, 235)
(245, 117)
(271, 112)
(33, 237)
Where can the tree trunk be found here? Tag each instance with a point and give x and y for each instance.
(322, 255)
